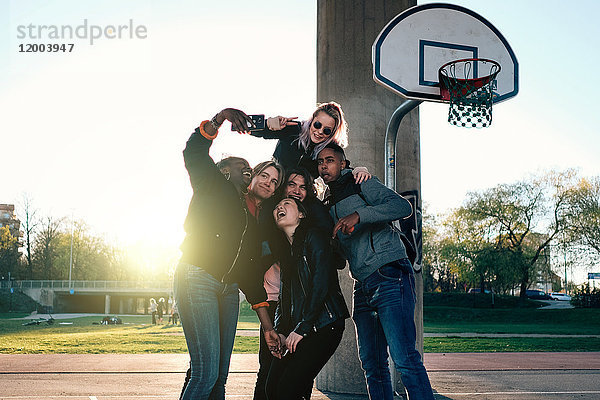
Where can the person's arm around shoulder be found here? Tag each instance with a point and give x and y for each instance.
(384, 205)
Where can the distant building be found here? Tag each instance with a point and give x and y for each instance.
(546, 279)
(8, 218)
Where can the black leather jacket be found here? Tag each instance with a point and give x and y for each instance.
(310, 296)
(222, 237)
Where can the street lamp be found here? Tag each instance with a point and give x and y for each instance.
(71, 257)
(566, 286)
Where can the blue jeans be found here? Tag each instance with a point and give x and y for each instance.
(383, 313)
(208, 310)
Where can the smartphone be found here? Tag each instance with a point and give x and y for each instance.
(258, 120)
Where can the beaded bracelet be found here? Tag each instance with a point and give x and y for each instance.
(214, 123)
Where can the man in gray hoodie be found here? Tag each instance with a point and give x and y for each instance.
(384, 284)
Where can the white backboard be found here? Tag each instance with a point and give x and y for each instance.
(412, 47)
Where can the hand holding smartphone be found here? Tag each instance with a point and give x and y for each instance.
(258, 120)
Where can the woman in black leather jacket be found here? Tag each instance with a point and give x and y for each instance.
(311, 311)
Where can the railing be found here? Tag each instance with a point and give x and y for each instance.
(165, 286)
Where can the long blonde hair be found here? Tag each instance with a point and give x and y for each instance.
(340, 132)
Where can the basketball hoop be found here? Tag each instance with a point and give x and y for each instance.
(469, 84)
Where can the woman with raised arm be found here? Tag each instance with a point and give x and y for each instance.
(299, 142)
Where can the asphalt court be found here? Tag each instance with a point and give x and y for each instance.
(493, 376)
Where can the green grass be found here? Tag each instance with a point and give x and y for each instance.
(137, 335)
(494, 345)
(576, 321)
(477, 300)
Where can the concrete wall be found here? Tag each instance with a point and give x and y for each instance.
(346, 30)
(92, 302)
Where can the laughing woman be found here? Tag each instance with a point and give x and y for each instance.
(311, 311)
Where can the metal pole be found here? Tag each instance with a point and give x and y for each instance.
(391, 135)
(566, 287)
(71, 257)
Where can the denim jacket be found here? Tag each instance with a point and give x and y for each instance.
(374, 241)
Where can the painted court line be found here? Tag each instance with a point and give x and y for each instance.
(232, 396)
(95, 397)
(512, 393)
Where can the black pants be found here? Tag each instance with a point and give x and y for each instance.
(264, 359)
(290, 376)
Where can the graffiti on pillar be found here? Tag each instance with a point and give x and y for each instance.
(411, 227)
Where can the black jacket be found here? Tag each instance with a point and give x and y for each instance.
(287, 153)
(221, 234)
(310, 296)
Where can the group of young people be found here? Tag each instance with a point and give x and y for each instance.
(263, 230)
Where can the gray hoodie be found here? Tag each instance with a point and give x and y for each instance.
(374, 242)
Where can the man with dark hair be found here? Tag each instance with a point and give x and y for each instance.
(384, 286)
(221, 252)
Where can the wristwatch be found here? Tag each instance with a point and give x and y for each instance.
(215, 124)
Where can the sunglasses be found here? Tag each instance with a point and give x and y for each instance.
(326, 131)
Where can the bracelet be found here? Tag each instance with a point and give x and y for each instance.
(204, 133)
(259, 305)
(214, 123)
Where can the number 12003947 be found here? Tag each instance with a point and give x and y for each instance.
(46, 48)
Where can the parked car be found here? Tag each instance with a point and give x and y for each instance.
(477, 290)
(535, 294)
(560, 296)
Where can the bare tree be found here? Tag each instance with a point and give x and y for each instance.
(29, 221)
(45, 250)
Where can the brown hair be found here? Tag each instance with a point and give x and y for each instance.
(260, 167)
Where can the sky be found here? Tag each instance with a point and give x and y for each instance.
(97, 133)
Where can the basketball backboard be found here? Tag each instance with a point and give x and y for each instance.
(412, 47)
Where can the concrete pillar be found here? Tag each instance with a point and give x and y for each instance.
(121, 306)
(107, 304)
(346, 30)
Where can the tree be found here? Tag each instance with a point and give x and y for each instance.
(9, 253)
(440, 262)
(584, 213)
(28, 222)
(93, 257)
(464, 242)
(45, 251)
(524, 217)
(430, 251)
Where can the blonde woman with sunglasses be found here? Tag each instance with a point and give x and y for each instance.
(299, 142)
